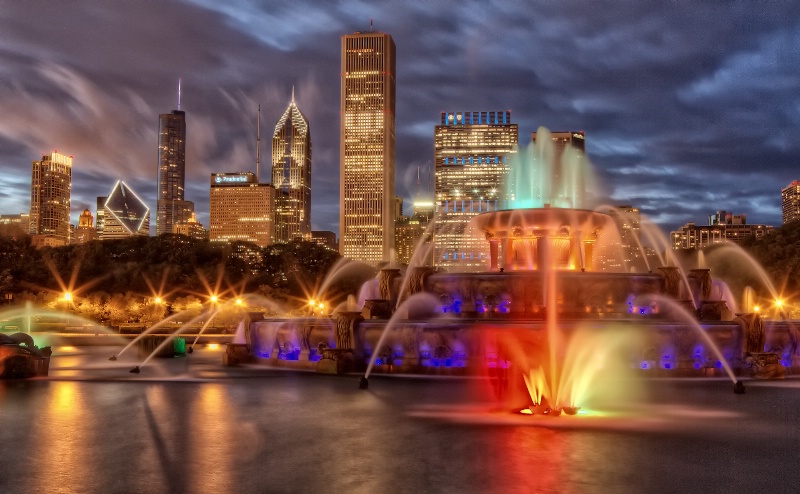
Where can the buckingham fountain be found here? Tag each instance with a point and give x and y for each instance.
(544, 315)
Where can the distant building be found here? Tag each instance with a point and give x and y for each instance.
(472, 151)
(367, 147)
(291, 175)
(126, 215)
(736, 226)
(39, 241)
(566, 167)
(51, 188)
(325, 238)
(622, 250)
(191, 228)
(100, 214)
(85, 231)
(409, 231)
(790, 202)
(241, 209)
(171, 206)
(723, 227)
(20, 221)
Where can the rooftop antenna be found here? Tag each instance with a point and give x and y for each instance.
(293, 94)
(258, 144)
(370, 24)
(179, 94)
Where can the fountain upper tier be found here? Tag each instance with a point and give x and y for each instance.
(529, 237)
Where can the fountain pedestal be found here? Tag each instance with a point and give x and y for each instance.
(335, 361)
(764, 365)
(236, 353)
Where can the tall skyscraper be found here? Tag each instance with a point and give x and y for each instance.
(171, 207)
(126, 215)
(241, 209)
(291, 175)
(790, 202)
(367, 145)
(471, 155)
(51, 188)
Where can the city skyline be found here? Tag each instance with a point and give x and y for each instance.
(686, 111)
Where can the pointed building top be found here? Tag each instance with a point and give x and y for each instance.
(293, 94)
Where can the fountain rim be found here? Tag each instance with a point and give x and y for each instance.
(505, 219)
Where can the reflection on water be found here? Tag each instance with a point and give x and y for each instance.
(62, 438)
(290, 433)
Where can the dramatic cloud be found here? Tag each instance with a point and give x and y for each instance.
(687, 108)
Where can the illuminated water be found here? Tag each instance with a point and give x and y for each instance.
(190, 425)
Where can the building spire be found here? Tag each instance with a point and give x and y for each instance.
(179, 94)
(293, 94)
(258, 144)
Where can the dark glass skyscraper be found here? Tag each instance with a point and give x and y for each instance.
(171, 207)
(291, 175)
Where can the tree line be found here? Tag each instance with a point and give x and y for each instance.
(110, 276)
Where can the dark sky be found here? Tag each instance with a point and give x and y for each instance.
(688, 107)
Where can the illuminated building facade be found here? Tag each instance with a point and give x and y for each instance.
(622, 251)
(191, 228)
(291, 175)
(325, 238)
(410, 230)
(241, 209)
(171, 206)
(790, 202)
(51, 188)
(571, 188)
(126, 215)
(20, 222)
(723, 227)
(367, 147)
(471, 155)
(85, 231)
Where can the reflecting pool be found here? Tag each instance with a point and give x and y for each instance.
(191, 425)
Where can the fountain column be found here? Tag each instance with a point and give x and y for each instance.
(342, 358)
(386, 279)
(700, 280)
(416, 279)
(672, 281)
(494, 247)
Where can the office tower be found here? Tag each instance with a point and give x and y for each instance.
(367, 144)
(325, 238)
(85, 231)
(409, 232)
(19, 222)
(291, 175)
(567, 165)
(51, 186)
(99, 215)
(191, 228)
(126, 215)
(171, 207)
(790, 201)
(621, 249)
(241, 209)
(471, 155)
